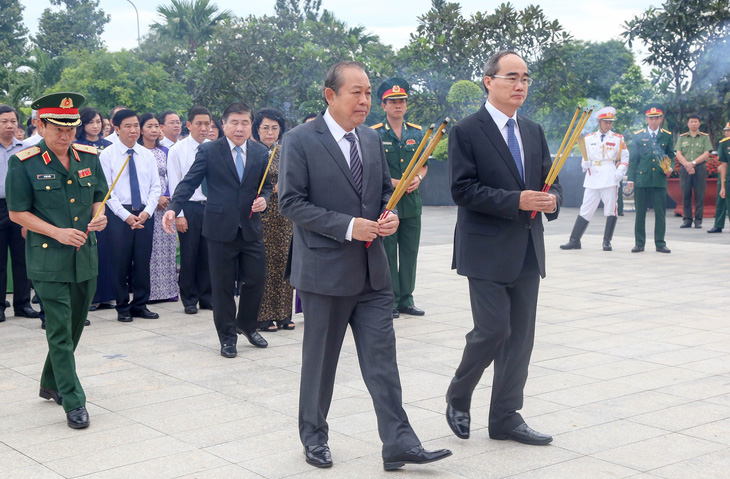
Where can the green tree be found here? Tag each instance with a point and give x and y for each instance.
(37, 74)
(629, 96)
(12, 42)
(78, 25)
(676, 36)
(108, 79)
(189, 22)
(465, 97)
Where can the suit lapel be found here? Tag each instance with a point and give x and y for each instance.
(334, 149)
(495, 137)
(251, 163)
(527, 148)
(227, 157)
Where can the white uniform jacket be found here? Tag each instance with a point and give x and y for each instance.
(602, 168)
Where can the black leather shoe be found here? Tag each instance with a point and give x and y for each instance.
(191, 309)
(663, 249)
(46, 393)
(144, 313)
(412, 310)
(7, 303)
(637, 249)
(607, 246)
(698, 224)
(458, 422)
(206, 306)
(2, 316)
(524, 434)
(228, 351)
(43, 323)
(396, 314)
(93, 306)
(254, 338)
(35, 299)
(715, 229)
(318, 456)
(77, 418)
(686, 224)
(124, 317)
(27, 312)
(414, 455)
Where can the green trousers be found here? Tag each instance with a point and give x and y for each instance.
(642, 198)
(402, 250)
(720, 207)
(66, 306)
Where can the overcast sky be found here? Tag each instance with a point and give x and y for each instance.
(392, 21)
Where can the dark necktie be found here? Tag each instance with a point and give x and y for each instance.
(239, 162)
(134, 182)
(603, 135)
(653, 136)
(355, 162)
(514, 147)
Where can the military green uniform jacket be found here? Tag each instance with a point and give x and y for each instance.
(398, 153)
(723, 154)
(644, 158)
(37, 182)
(693, 147)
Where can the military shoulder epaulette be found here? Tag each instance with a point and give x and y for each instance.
(637, 132)
(725, 139)
(28, 153)
(666, 131)
(703, 133)
(418, 127)
(376, 126)
(620, 136)
(86, 148)
(592, 133)
(683, 134)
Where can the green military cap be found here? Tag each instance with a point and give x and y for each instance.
(393, 88)
(654, 109)
(60, 108)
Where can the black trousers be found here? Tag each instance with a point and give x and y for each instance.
(504, 332)
(698, 183)
(245, 260)
(370, 315)
(130, 252)
(194, 278)
(10, 237)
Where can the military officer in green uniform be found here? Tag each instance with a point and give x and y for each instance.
(400, 141)
(53, 190)
(693, 150)
(651, 160)
(720, 204)
(723, 155)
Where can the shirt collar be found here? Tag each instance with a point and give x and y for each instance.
(122, 148)
(500, 119)
(655, 132)
(232, 145)
(337, 131)
(15, 142)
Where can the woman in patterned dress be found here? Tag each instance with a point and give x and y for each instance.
(276, 308)
(163, 266)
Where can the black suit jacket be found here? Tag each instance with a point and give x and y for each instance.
(492, 233)
(229, 200)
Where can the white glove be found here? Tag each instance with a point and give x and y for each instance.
(585, 165)
(618, 176)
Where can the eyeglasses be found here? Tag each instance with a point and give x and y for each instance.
(273, 129)
(512, 79)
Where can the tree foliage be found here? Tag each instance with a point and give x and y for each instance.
(189, 22)
(629, 96)
(12, 42)
(78, 25)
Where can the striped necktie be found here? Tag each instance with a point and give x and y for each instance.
(514, 147)
(355, 162)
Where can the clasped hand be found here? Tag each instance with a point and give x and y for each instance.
(537, 201)
(366, 230)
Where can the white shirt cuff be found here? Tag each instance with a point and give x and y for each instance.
(348, 235)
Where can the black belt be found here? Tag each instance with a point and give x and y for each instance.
(129, 208)
(202, 202)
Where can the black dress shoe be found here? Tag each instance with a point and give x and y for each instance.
(663, 249)
(396, 314)
(35, 299)
(686, 224)
(458, 422)
(412, 310)
(715, 229)
(46, 393)
(228, 351)
(192, 309)
(144, 313)
(7, 303)
(77, 418)
(524, 434)
(637, 249)
(2, 316)
(93, 306)
(87, 323)
(27, 312)
(698, 224)
(318, 456)
(206, 306)
(124, 317)
(254, 338)
(414, 455)
(43, 323)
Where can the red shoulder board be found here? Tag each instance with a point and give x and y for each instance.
(46, 157)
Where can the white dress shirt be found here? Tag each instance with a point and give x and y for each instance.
(112, 159)
(167, 143)
(112, 136)
(339, 135)
(500, 119)
(179, 160)
(5, 154)
(234, 153)
(32, 140)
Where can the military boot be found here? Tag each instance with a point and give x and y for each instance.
(580, 227)
(608, 232)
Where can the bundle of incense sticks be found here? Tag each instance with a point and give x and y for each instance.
(266, 172)
(414, 166)
(569, 140)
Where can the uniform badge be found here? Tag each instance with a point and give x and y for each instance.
(46, 157)
(67, 103)
(85, 172)
(48, 176)
(410, 142)
(610, 144)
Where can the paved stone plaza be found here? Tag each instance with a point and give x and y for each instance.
(630, 374)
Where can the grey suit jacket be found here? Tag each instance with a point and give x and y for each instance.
(317, 193)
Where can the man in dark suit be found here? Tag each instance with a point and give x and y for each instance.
(334, 184)
(233, 167)
(499, 162)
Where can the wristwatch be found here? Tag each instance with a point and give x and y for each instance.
(694, 162)
(420, 177)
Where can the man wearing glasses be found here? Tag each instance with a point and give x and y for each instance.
(499, 161)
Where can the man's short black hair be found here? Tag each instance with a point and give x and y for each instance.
(122, 115)
(309, 116)
(198, 110)
(163, 116)
(238, 107)
(9, 109)
(694, 116)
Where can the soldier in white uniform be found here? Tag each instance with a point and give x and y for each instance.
(605, 161)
